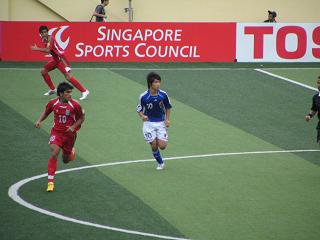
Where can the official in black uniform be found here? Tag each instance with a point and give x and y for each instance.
(315, 108)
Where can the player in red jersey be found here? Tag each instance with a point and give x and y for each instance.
(68, 117)
(58, 61)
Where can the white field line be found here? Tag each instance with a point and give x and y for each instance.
(129, 69)
(14, 189)
(285, 79)
(144, 69)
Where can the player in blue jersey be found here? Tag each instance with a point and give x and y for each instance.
(154, 108)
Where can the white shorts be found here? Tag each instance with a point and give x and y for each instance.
(153, 130)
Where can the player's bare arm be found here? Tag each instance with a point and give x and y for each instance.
(167, 121)
(310, 115)
(42, 117)
(36, 48)
(143, 117)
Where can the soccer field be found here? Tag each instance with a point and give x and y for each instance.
(242, 163)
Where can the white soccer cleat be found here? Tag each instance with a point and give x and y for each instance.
(50, 92)
(68, 69)
(160, 166)
(84, 95)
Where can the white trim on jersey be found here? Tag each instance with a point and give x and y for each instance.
(164, 92)
(56, 102)
(70, 104)
(142, 94)
(139, 107)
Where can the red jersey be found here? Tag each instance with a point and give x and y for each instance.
(65, 114)
(55, 50)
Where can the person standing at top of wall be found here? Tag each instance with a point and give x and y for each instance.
(100, 12)
(271, 17)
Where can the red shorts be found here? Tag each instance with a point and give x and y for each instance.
(65, 141)
(53, 64)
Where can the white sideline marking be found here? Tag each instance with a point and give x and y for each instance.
(134, 69)
(13, 190)
(143, 69)
(286, 79)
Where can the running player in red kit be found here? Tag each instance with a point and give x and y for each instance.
(58, 61)
(68, 117)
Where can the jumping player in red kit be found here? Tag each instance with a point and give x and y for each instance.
(68, 117)
(58, 61)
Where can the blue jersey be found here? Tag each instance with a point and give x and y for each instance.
(154, 106)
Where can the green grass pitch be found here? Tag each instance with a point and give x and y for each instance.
(217, 108)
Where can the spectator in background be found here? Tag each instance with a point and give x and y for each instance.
(271, 17)
(99, 12)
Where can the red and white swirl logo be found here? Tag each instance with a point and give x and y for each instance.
(57, 33)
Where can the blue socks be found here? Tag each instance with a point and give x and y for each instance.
(157, 156)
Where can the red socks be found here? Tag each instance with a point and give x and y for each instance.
(72, 80)
(48, 81)
(77, 84)
(52, 167)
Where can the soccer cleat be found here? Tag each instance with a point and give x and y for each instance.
(160, 166)
(84, 95)
(50, 92)
(72, 154)
(68, 69)
(50, 187)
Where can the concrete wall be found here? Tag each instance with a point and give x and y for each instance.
(26, 10)
(162, 11)
(227, 10)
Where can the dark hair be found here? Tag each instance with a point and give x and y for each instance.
(273, 13)
(41, 28)
(102, 1)
(62, 87)
(151, 77)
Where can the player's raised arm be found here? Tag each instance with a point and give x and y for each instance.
(36, 48)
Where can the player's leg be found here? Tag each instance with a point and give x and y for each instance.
(156, 154)
(52, 166)
(162, 144)
(63, 69)
(162, 139)
(162, 135)
(55, 146)
(45, 74)
(84, 92)
(149, 133)
(68, 149)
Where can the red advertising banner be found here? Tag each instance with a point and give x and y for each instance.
(123, 42)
